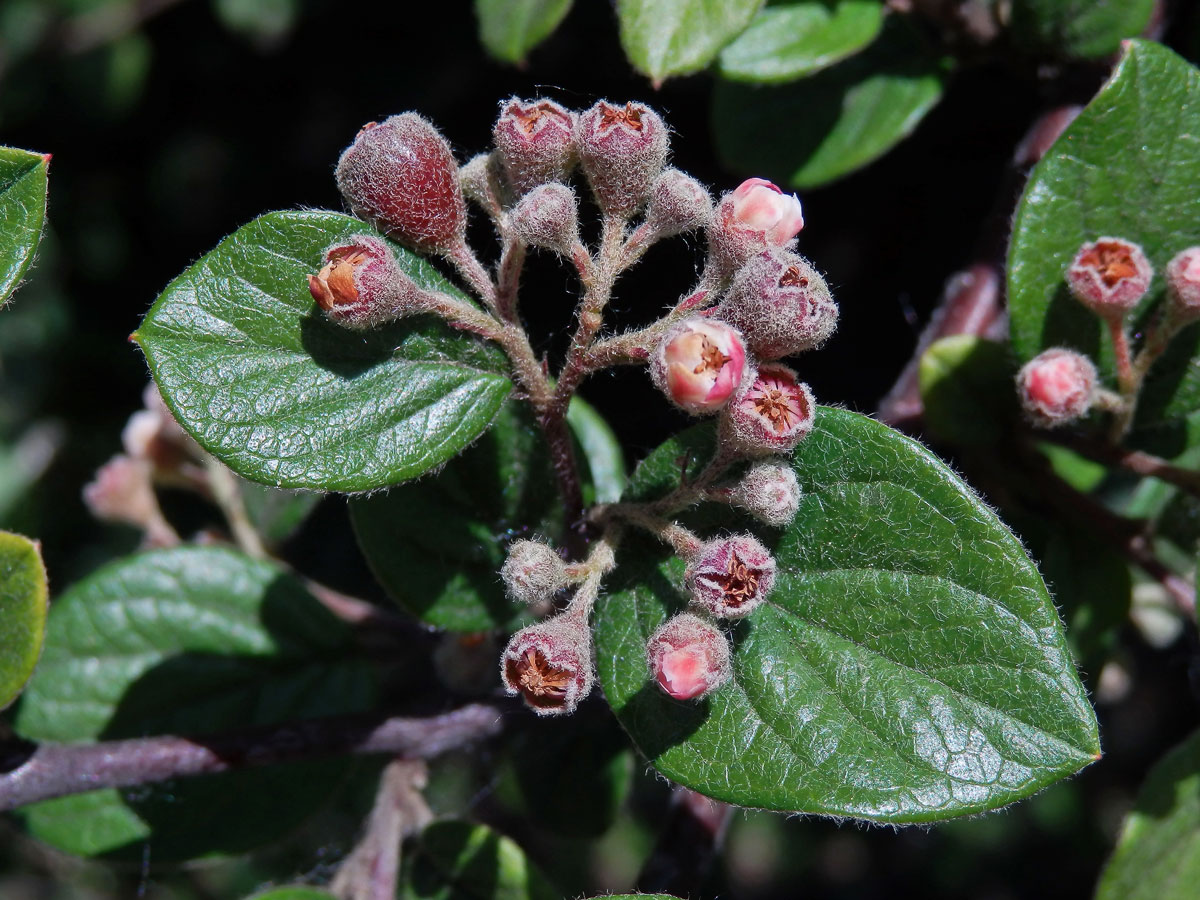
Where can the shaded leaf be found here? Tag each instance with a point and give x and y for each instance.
(1077, 28)
(458, 861)
(276, 514)
(269, 386)
(663, 38)
(601, 451)
(509, 29)
(967, 389)
(908, 667)
(23, 600)
(22, 213)
(293, 893)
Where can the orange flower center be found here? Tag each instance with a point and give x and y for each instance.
(540, 682)
(630, 116)
(1111, 261)
(739, 584)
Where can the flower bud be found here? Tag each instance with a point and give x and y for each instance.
(400, 175)
(1109, 276)
(771, 413)
(678, 203)
(1056, 387)
(548, 217)
(781, 305)
(535, 143)
(731, 576)
(361, 285)
(623, 151)
(532, 571)
(755, 216)
(479, 182)
(770, 493)
(1183, 284)
(122, 492)
(688, 657)
(550, 665)
(698, 364)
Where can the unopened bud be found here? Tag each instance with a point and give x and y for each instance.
(1183, 284)
(1056, 387)
(754, 216)
(781, 304)
(361, 285)
(770, 493)
(688, 657)
(730, 577)
(678, 203)
(1109, 276)
(479, 182)
(400, 175)
(549, 665)
(535, 142)
(699, 364)
(623, 150)
(532, 571)
(771, 413)
(548, 217)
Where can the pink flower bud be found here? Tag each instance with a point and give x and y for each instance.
(755, 216)
(532, 571)
(548, 217)
(688, 657)
(623, 151)
(1109, 276)
(678, 203)
(770, 493)
(400, 175)
(699, 364)
(1056, 387)
(771, 413)
(731, 576)
(535, 142)
(479, 181)
(1183, 283)
(550, 665)
(361, 285)
(781, 305)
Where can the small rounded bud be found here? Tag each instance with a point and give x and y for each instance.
(361, 285)
(548, 217)
(535, 142)
(400, 175)
(754, 216)
(731, 576)
(550, 665)
(781, 304)
(688, 657)
(623, 150)
(532, 571)
(1109, 276)
(699, 364)
(678, 203)
(1183, 283)
(1056, 387)
(479, 182)
(770, 493)
(122, 492)
(771, 413)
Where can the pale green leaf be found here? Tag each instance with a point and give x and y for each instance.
(663, 38)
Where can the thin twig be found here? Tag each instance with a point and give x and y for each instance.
(1134, 461)
(227, 494)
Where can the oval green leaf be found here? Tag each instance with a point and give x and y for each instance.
(1158, 852)
(1125, 167)
(294, 893)
(663, 38)
(282, 396)
(600, 449)
(509, 29)
(1077, 28)
(458, 861)
(908, 667)
(22, 213)
(967, 389)
(790, 41)
(23, 599)
(189, 641)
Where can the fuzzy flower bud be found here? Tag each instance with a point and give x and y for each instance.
(731, 576)
(535, 142)
(478, 179)
(550, 665)
(623, 151)
(1056, 387)
(1109, 276)
(771, 413)
(361, 285)
(754, 216)
(1183, 284)
(532, 571)
(688, 657)
(698, 364)
(770, 493)
(781, 305)
(548, 217)
(678, 203)
(400, 175)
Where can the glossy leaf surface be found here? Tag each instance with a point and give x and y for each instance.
(264, 382)
(23, 599)
(22, 213)
(509, 29)
(1077, 28)
(457, 861)
(663, 38)
(909, 665)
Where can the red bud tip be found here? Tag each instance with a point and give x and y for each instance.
(699, 364)
(549, 665)
(688, 657)
(730, 577)
(1110, 275)
(1056, 387)
(771, 413)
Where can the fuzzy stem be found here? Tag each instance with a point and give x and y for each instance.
(1127, 382)
(1133, 460)
(473, 272)
(227, 494)
(512, 260)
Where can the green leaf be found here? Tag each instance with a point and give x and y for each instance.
(22, 213)
(791, 41)
(276, 514)
(189, 641)
(1077, 28)
(269, 386)
(663, 38)
(23, 600)
(601, 451)
(509, 29)
(812, 131)
(1127, 168)
(457, 861)
(908, 667)
(967, 389)
(1158, 852)
(293, 893)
